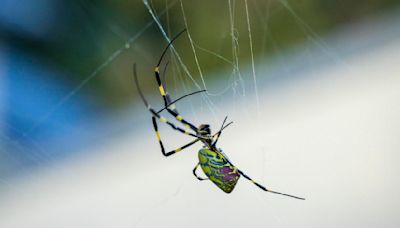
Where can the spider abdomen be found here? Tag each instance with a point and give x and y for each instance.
(218, 169)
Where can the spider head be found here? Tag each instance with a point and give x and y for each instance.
(204, 131)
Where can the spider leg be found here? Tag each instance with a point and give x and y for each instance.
(166, 99)
(155, 126)
(194, 173)
(164, 93)
(155, 114)
(267, 190)
(166, 154)
(171, 103)
(220, 131)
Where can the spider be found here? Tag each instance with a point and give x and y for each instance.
(214, 163)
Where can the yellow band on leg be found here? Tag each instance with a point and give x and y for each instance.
(162, 90)
(158, 136)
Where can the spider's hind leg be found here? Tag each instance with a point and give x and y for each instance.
(267, 190)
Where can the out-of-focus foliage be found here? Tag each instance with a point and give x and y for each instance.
(86, 33)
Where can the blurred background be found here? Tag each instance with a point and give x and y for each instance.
(312, 86)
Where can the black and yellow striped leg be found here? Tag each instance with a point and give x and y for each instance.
(164, 120)
(194, 173)
(154, 113)
(161, 86)
(155, 126)
(171, 103)
(180, 148)
(166, 154)
(164, 93)
(265, 189)
(166, 99)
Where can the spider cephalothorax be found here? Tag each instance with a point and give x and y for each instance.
(213, 162)
(204, 131)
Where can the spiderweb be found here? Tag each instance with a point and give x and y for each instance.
(244, 21)
(235, 88)
(239, 56)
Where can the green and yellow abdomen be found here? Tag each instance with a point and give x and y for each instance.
(218, 169)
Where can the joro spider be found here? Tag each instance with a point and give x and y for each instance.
(214, 163)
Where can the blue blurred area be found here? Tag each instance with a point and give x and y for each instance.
(34, 127)
(32, 90)
(37, 19)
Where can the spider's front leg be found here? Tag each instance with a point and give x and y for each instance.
(163, 91)
(167, 99)
(155, 114)
(166, 154)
